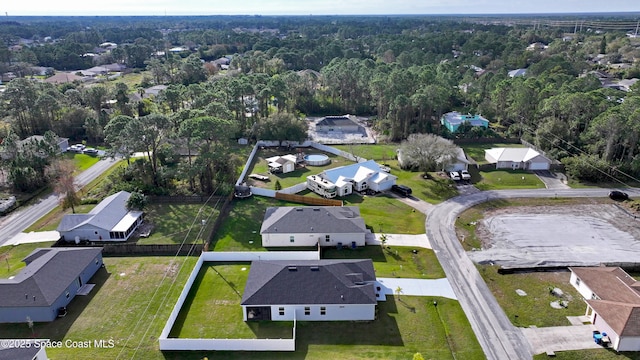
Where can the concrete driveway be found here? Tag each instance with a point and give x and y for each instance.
(552, 180)
(408, 240)
(560, 338)
(416, 287)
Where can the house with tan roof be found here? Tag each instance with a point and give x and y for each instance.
(613, 303)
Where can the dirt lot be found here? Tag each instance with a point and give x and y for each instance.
(558, 236)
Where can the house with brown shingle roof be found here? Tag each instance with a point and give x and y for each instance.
(613, 303)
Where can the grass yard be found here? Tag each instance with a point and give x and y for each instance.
(130, 303)
(52, 219)
(172, 223)
(382, 213)
(398, 262)
(534, 308)
(377, 152)
(508, 179)
(476, 151)
(467, 221)
(295, 177)
(81, 161)
(597, 354)
(434, 190)
(11, 257)
(405, 325)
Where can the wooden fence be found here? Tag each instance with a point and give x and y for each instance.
(308, 200)
(183, 199)
(133, 249)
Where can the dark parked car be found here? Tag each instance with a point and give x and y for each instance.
(91, 151)
(402, 190)
(618, 195)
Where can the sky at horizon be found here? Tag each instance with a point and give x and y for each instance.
(309, 7)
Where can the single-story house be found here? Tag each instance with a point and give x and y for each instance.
(343, 123)
(62, 78)
(453, 120)
(51, 279)
(154, 90)
(517, 158)
(613, 303)
(313, 225)
(32, 352)
(110, 220)
(359, 177)
(63, 143)
(311, 290)
(517, 72)
(282, 164)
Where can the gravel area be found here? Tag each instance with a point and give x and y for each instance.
(581, 235)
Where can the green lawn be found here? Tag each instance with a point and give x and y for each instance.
(434, 190)
(127, 305)
(173, 223)
(533, 309)
(382, 213)
(597, 354)
(11, 257)
(398, 262)
(379, 152)
(508, 179)
(405, 325)
(82, 161)
(476, 151)
(259, 166)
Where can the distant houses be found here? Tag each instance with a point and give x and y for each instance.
(310, 290)
(343, 123)
(517, 158)
(51, 279)
(312, 226)
(110, 220)
(453, 120)
(517, 72)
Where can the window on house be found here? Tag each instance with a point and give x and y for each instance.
(66, 294)
(594, 297)
(323, 310)
(327, 238)
(281, 311)
(291, 238)
(97, 261)
(307, 310)
(577, 281)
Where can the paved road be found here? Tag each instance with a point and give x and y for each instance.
(497, 336)
(19, 220)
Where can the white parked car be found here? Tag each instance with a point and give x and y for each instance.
(465, 175)
(76, 148)
(454, 176)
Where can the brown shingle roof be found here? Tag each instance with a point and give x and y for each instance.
(610, 283)
(623, 318)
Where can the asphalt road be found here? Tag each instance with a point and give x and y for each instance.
(19, 220)
(497, 336)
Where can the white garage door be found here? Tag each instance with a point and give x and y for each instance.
(539, 166)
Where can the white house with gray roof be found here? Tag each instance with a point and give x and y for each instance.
(517, 158)
(310, 290)
(110, 220)
(49, 282)
(313, 225)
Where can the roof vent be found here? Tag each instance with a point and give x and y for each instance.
(316, 209)
(298, 209)
(315, 268)
(293, 268)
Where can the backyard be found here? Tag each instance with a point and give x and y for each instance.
(131, 301)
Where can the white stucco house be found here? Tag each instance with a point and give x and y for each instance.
(110, 220)
(613, 303)
(288, 226)
(517, 158)
(358, 177)
(310, 290)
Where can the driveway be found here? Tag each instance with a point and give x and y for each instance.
(408, 240)
(560, 338)
(416, 287)
(552, 180)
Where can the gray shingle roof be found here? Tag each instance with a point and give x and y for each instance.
(105, 215)
(46, 276)
(310, 282)
(18, 353)
(312, 219)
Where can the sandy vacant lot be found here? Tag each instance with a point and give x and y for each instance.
(558, 236)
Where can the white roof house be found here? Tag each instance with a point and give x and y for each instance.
(282, 164)
(110, 220)
(360, 176)
(517, 158)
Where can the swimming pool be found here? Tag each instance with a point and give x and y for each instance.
(317, 159)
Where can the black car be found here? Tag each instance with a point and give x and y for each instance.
(618, 195)
(402, 190)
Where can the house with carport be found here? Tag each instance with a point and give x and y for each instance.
(110, 220)
(288, 226)
(310, 290)
(51, 279)
(613, 303)
(515, 158)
